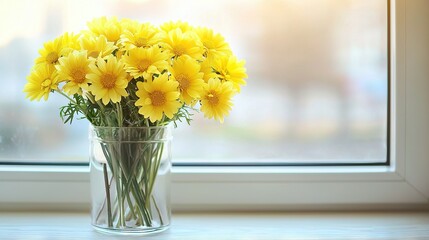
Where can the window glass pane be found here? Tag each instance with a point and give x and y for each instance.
(317, 87)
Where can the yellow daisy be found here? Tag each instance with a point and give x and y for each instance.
(169, 26)
(129, 24)
(216, 99)
(109, 27)
(186, 71)
(178, 43)
(60, 46)
(108, 80)
(157, 98)
(97, 46)
(144, 62)
(51, 52)
(74, 69)
(228, 68)
(70, 42)
(207, 70)
(42, 80)
(214, 44)
(145, 35)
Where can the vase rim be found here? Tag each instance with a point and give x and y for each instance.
(142, 127)
(131, 134)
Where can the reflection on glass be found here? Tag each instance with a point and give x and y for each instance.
(317, 87)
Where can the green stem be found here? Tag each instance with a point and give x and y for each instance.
(158, 158)
(105, 119)
(141, 199)
(153, 170)
(83, 111)
(119, 114)
(120, 194)
(65, 95)
(107, 187)
(158, 210)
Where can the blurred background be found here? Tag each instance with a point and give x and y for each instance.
(316, 93)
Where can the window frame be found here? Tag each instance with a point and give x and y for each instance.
(402, 184)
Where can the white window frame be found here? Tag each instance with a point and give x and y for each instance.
(403, 184)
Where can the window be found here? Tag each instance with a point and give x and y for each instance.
(404, 183)
(317, 90)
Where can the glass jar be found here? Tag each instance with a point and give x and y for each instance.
(130, 179)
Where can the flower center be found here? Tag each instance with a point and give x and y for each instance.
(78, 75)
(108, 80)
(52, 57)
(141, 42)
(157, 98)
(183, 81)
(212, 98)
(143, 65)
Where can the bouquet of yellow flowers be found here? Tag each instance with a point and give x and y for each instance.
(130, 80)
(126, 73)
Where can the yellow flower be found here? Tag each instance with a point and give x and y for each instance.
(178, 44)
(129, 24)
(158, 97)
(145, 35)
(61, 46)
(144, 62)
(97, 46)
(109, 27)
(229, 69)
(170, 26)
(216, 99)
(120, 53)
(186, 71)
(42, 80)
(108, 80)
(70, 42)
(214, 44)
(207, 70)
(51, 52)
(74, 69)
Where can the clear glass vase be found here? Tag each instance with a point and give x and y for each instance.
(130, 179)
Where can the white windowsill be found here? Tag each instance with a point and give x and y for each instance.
(309, 225)
(217, 188)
